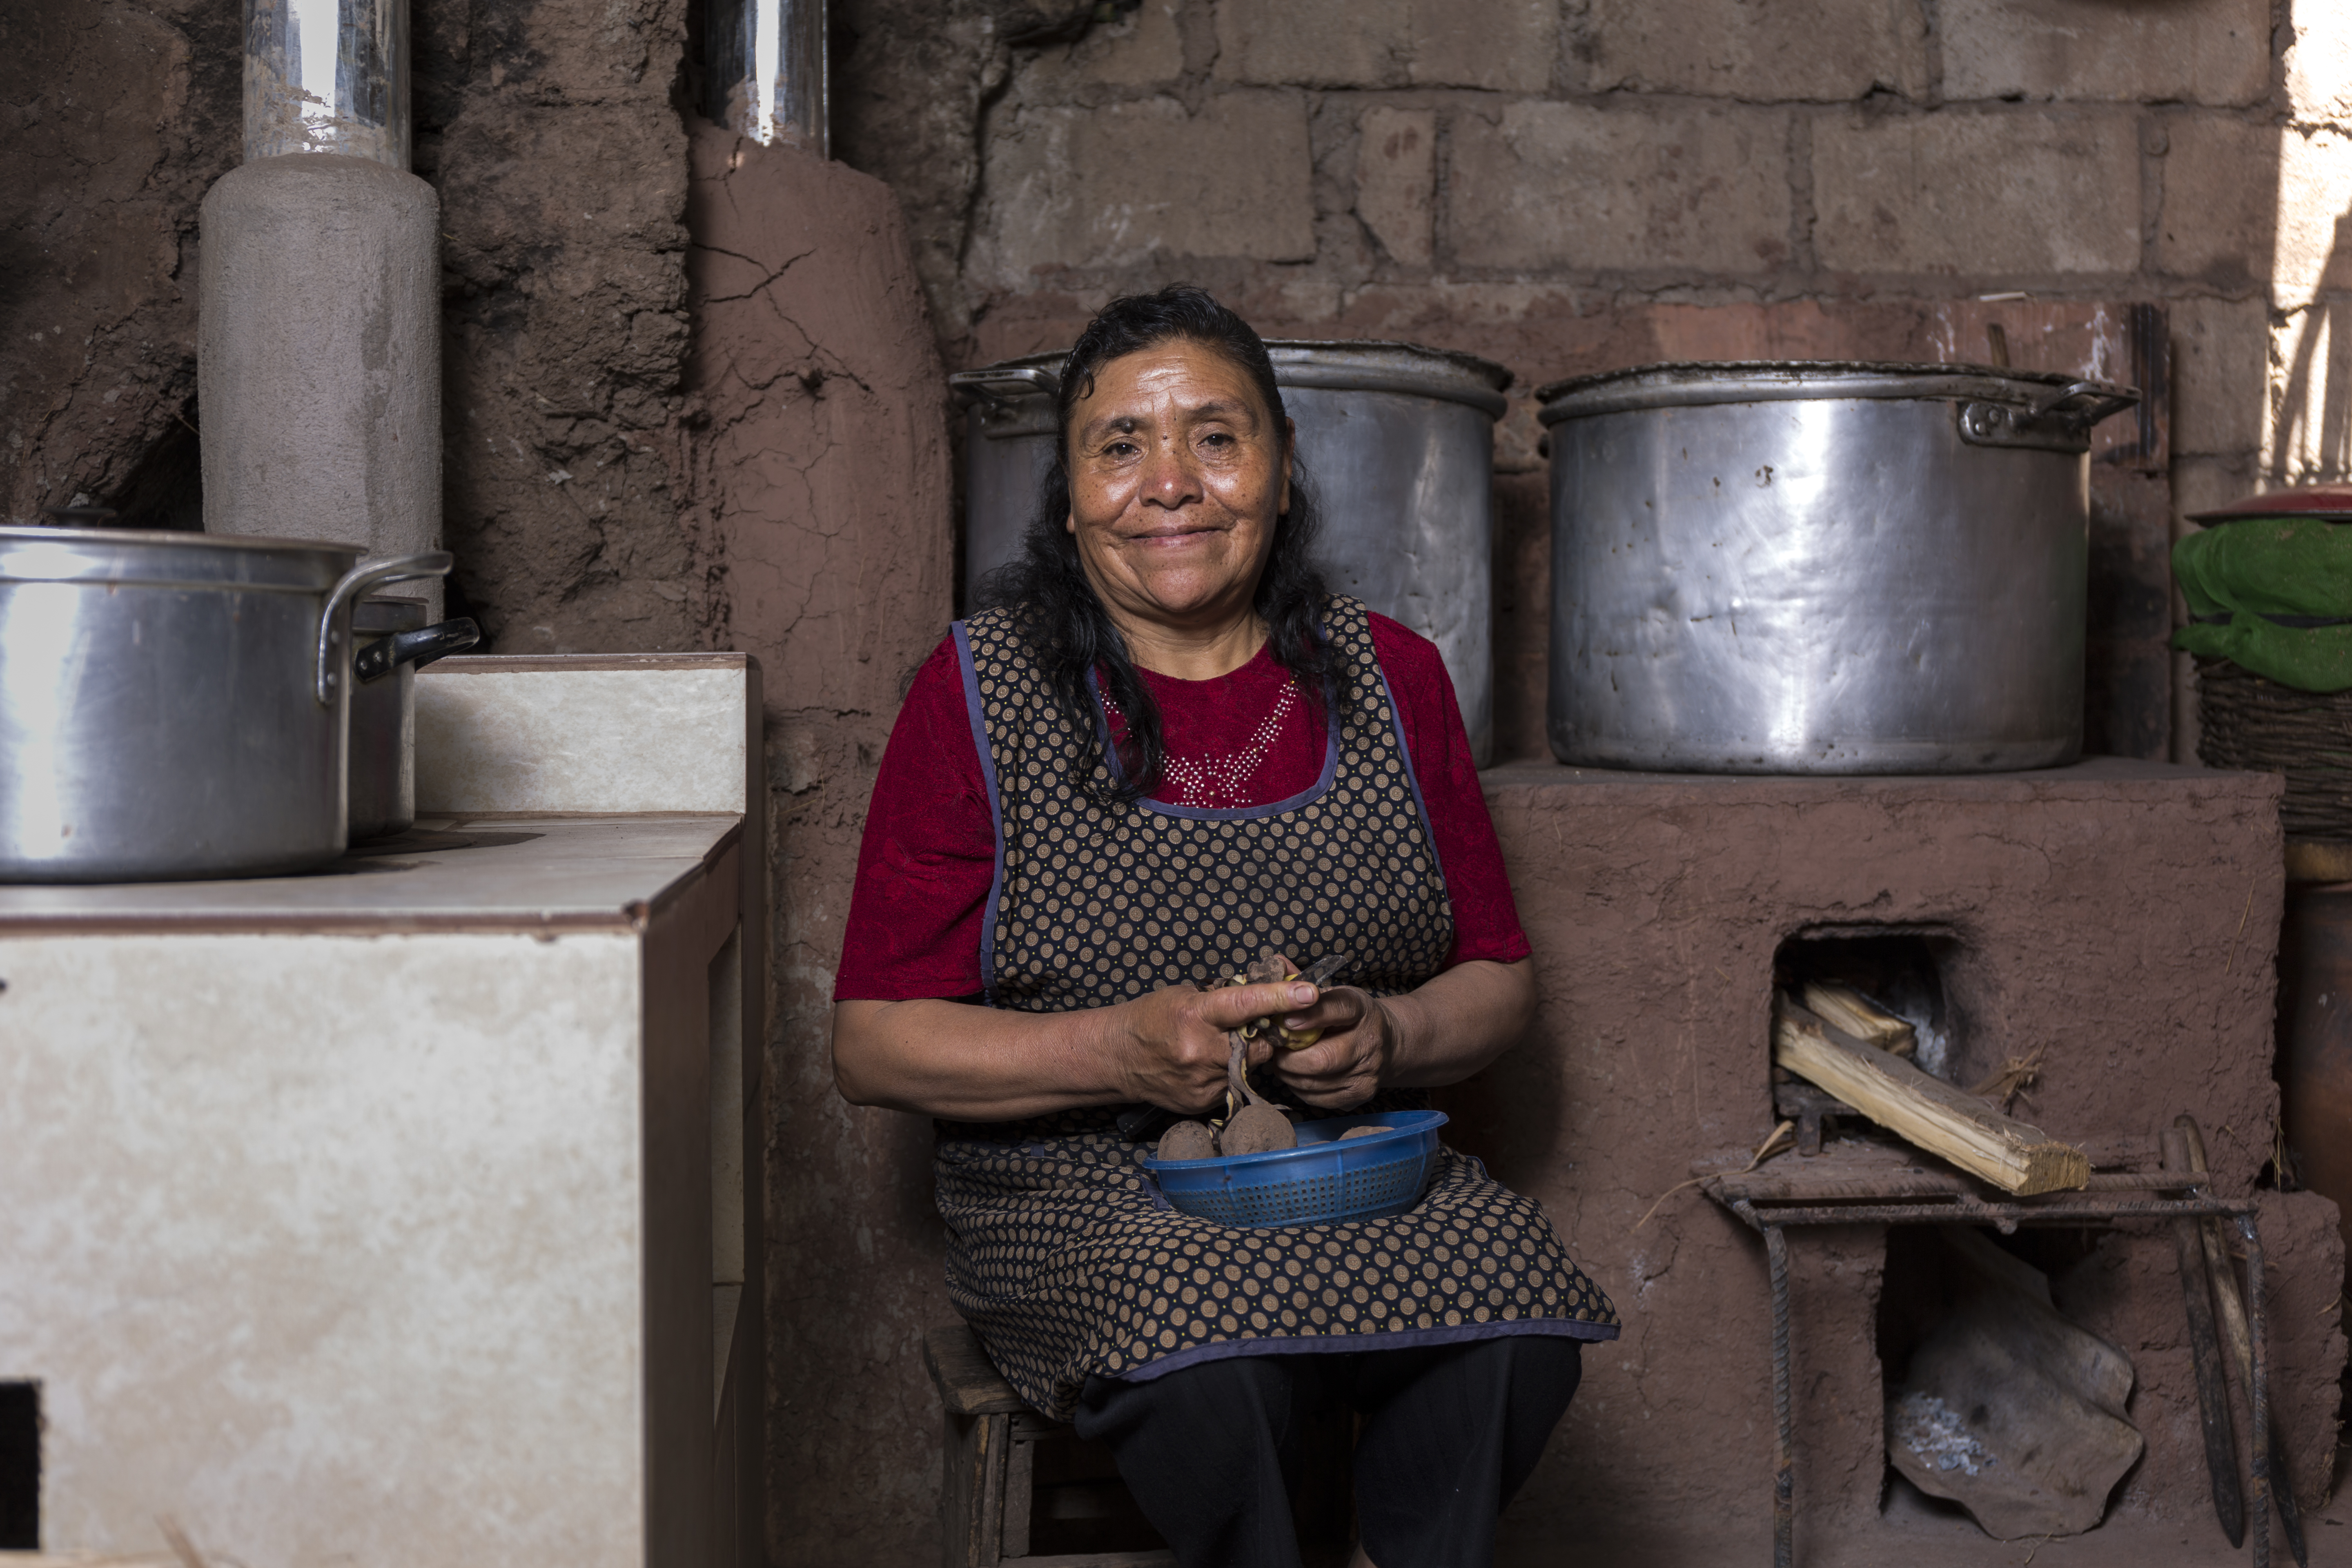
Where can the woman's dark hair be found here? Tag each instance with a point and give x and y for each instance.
(1057, 608)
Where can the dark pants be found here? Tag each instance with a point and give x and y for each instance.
(1212, 1452)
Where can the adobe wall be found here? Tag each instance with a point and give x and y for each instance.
(119, 117)
(1543, 182)
(550, 130)
(1525, 160)
(2122, 915)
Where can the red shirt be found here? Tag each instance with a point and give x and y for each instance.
(928, 858)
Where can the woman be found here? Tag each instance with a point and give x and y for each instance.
(1167, 750)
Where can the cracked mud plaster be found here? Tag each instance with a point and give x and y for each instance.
(817, 464)
(818, 447)
(116, 117)
(2124, 914)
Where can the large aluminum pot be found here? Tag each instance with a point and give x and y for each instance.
(176, 705)
(394, 642)
(1396, 443)
(1820, 568)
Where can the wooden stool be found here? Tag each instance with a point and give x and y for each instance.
(1015, 1487)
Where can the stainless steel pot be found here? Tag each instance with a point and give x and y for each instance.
(1396, 443)
(176, 705)
(394, 642)
(1820, 568)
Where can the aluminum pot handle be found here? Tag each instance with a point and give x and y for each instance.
(357, 580)
(417, 649)
(2105, 401)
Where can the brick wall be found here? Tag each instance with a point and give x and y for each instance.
(1559, 183)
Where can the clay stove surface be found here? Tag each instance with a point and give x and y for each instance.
(447, 873)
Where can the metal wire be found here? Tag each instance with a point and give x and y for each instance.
(2259, 1397)
(2006, 1217)
(1784, 1454)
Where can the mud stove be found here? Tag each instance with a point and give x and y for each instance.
(2114, 921)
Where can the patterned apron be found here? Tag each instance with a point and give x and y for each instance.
(1061, 1251)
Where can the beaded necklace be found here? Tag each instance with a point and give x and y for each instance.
(1215, 783)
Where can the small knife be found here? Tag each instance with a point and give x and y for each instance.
(1323, 968)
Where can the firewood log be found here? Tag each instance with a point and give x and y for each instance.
(1936, 1116)
(1843, 1007)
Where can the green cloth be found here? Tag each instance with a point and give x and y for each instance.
(2259, 567)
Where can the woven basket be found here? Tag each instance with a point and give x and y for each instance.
(2246, 720)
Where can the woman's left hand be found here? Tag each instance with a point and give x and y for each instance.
(1349, 1063)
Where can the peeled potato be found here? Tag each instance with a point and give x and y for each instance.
(1295, 1039)
(1273, 966)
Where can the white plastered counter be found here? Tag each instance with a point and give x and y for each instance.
(383, 1216)
(487, 872)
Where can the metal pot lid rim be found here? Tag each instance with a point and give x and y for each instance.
(138, 555)
(2331, 503)
(1684, 382)
(1293, 354)
(176, 536)
(1296, 350)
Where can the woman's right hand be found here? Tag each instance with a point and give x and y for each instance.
(1172, 1044)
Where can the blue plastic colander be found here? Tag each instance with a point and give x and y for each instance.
(1321, 1182)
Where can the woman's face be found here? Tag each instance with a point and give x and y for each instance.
(1178, 472)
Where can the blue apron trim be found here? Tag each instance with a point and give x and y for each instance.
(995, 810)
(1412, 778)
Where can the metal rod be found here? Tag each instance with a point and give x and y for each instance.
(1784, 1441)
(2140, 1181)
(1772, 1186)
(2232, 1303)
(327, 75)
(768, 72)
(2205, 1356)
(2008, 1216)
(2259, 1397)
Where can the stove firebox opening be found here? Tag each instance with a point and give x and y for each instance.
(1898, 971)
(1882, 985)
(20, 1467)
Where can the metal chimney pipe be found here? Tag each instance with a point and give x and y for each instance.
(318, 300)
(767, 71)
(327, 75)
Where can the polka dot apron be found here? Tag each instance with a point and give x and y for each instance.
(1061, 1251)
